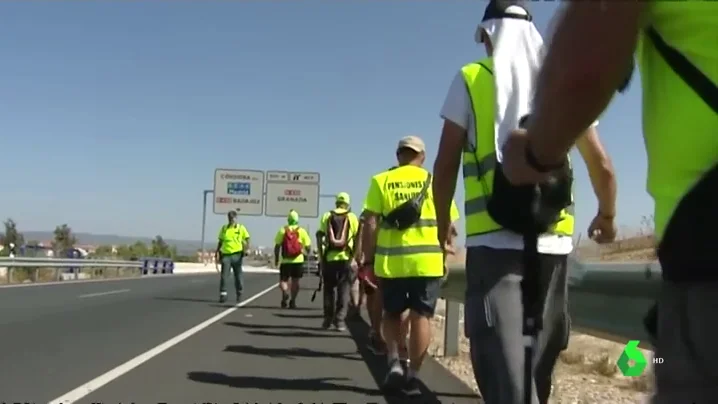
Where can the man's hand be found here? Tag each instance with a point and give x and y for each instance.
(602, 229)
(516, 169)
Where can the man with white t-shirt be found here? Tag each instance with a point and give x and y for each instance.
(494, 261)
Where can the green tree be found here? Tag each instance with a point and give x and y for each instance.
(11, 235)
(160, 248)
(133, 251)
(64, 239)
(103, 251)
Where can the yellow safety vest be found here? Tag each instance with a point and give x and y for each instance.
(679, 127)
(414, 252)
(479, 162)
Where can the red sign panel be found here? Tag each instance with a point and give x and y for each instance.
(223, 200)
(292, 192)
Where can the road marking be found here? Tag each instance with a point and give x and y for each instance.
(126, 367)
(111, 292)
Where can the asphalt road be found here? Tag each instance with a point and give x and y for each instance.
(263, 354)
(54, 338)
(165, 340)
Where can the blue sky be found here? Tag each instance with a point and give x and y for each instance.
(114, 115)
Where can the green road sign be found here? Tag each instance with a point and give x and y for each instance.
(632, 353)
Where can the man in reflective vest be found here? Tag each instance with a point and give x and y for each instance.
(409, 262)
(675, 45)
(233, 241)
(336, 262)
(493, 311)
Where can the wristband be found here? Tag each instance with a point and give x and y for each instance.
(605, 216)
(533, 162)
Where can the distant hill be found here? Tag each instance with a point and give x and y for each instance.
(184, 247)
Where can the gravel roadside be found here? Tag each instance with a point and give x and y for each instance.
(586, 372)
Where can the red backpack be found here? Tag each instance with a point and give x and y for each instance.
(291, 247)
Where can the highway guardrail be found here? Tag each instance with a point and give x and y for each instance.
(607, 300)
(44, 269)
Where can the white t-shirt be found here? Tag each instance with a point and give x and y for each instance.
(457, 109)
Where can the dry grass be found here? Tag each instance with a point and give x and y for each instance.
(639, 248)
(586, 372)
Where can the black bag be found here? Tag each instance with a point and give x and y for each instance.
(687, 251)
(338, 227)
(409, 212)
(519, 209)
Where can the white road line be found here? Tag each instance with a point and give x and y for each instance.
(126, 367)
(111, 292)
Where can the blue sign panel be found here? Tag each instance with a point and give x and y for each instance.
(239, 188)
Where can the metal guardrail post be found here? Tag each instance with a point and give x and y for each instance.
(451, 328)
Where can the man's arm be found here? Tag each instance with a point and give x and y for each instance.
(373, 208)
(369, 234)
(358, 240)
(455, 112)
(587, 60)
(277, 252)
(446, 170)
(219, 242)
(600, 170)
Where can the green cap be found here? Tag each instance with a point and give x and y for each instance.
(293, 217)
(343, 197)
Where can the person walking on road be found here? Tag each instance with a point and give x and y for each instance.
(400, 243)
(494, 263)
(233, 242)
(292, 244)
(675, 46)
(335, 242)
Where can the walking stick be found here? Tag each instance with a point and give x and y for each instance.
(531, 298)
(321, 281)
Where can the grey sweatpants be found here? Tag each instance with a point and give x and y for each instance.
(494, 323)
(686, 342)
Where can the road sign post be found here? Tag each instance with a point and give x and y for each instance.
(238, 190)
(287, 190)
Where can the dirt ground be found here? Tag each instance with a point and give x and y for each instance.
(585, 374)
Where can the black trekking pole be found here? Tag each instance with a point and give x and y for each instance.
(321, 280)
(531, 297)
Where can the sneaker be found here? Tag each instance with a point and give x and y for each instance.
(239, 297)
(411, 387)
(340, 326)
(376, 345)
(283, 304)
(222, 297)
(292, 304)
(395, 378)
(326, 324)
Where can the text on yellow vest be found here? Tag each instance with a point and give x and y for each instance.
(414, 252)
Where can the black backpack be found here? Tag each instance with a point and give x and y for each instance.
(408, 213)
(338, 226)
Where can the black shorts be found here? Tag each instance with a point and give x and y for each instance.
(294, 271)
(419, 294)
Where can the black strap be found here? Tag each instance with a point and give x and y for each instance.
(699, 82)
(425, 188)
